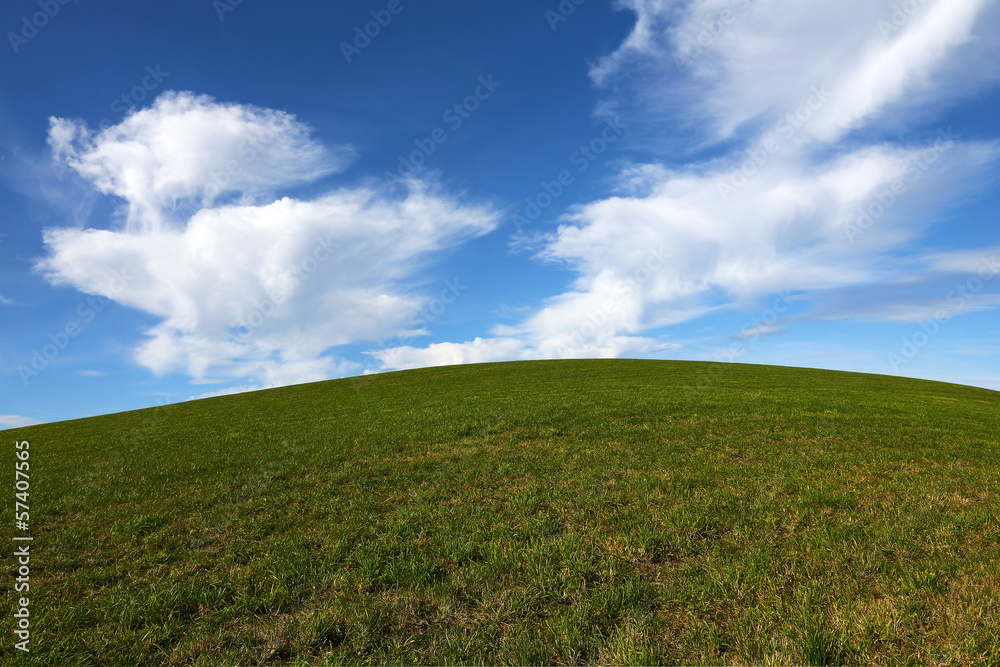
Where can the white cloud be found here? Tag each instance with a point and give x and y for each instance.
(481, 350)
(787, 227)
(724, 64)
(187, 150)
(906, 61)
(229, 391)
(597, 320)
(982, 261)
(447, 354)
(642, 41)
(16, 421)
(257, 290)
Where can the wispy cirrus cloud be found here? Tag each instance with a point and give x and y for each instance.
(731, 64)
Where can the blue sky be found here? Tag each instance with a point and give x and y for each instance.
(206, 197)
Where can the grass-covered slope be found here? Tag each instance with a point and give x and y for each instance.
(530, 512)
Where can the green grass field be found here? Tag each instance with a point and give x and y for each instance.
(571, 512)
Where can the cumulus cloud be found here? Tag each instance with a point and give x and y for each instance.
(242, 286)
(789, 199)
(189, 150)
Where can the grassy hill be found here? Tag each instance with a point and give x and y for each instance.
(531, 512)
